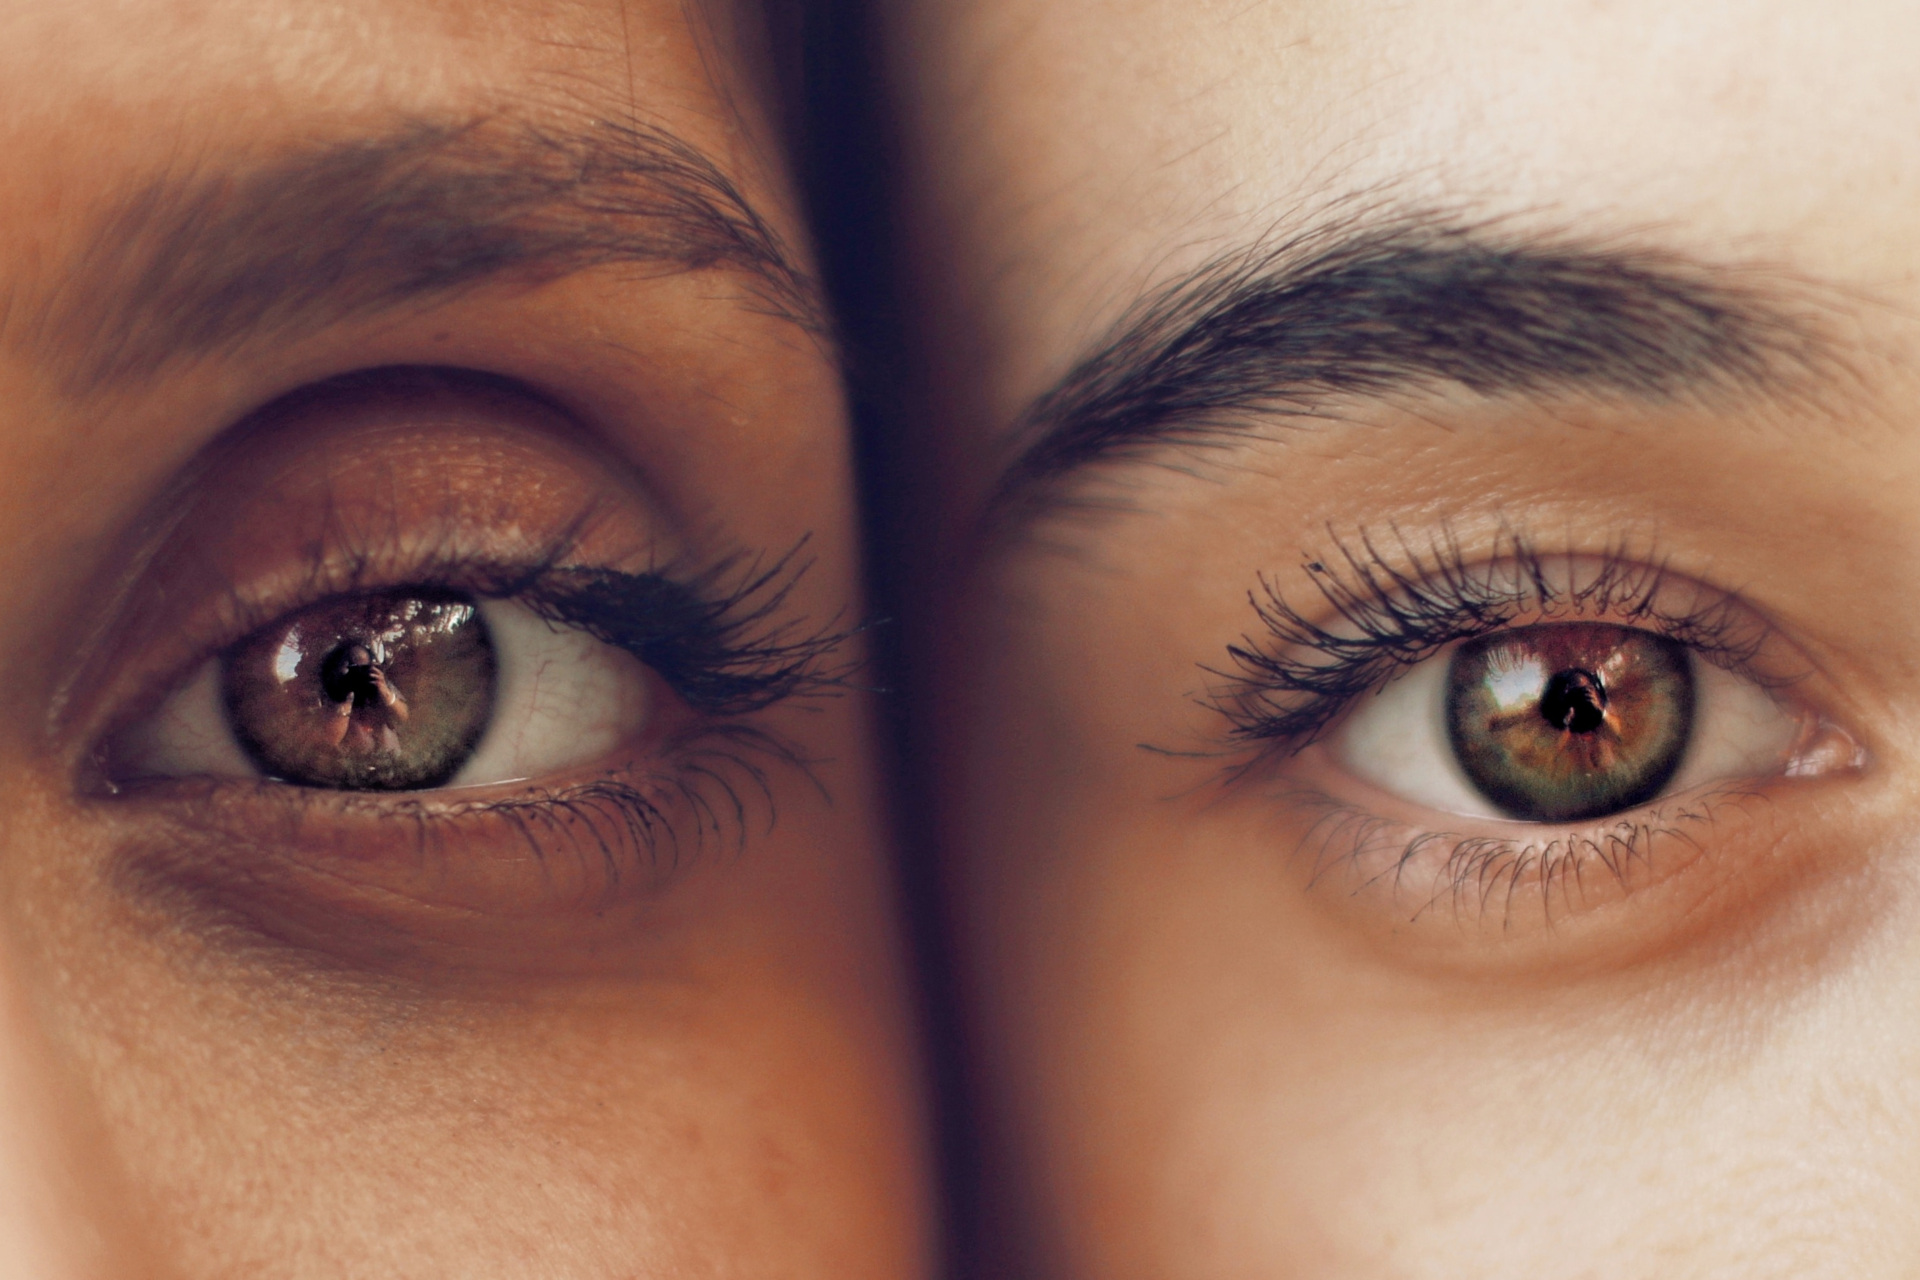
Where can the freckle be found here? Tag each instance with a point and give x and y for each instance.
(443, 335)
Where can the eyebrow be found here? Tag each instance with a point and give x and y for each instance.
(1413, 304)
(204, 260)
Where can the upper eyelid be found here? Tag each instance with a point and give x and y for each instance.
(1397, 625)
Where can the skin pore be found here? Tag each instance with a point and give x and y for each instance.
(407, 311)
(1270, 356)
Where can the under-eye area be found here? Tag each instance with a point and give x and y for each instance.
(1509, 732)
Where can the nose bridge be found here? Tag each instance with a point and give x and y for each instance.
(63, 1215)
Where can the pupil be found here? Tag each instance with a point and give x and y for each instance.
(346, 673)
(1574, 701)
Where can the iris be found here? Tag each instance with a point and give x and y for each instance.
(1568, 721)
(383, 691)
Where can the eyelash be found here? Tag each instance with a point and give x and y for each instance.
(1393, 605)
(1477, 869)
(716, 637)
(1394, 611)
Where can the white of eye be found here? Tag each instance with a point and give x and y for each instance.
(1397, 738)
(561, 699)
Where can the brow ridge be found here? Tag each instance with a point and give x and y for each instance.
(200, 261)
(1411, 302)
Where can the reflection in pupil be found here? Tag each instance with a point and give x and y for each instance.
(384, 691)
(1574, 701)
(348, 672)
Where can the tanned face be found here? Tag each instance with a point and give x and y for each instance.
(438, 807)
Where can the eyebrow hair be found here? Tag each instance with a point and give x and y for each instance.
(1411, 304)
(202, 261)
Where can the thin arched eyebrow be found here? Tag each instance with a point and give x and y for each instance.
(201, 260)
(1375, 306)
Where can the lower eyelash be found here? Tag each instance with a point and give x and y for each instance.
(713, 786)
(713, 791)
(1475, 874)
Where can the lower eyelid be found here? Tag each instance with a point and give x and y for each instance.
(371, 876)
(1512, 872)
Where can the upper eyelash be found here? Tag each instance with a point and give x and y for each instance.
(725, 651)
(716, 636)
(1395, 607)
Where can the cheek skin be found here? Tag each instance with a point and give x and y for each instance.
(1212, 1075)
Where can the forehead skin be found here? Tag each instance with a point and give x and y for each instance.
(1068, 155)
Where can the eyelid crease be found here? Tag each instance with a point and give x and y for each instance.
(1391, 611)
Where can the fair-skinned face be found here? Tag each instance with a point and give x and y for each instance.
(1357, 950)
(549, 935)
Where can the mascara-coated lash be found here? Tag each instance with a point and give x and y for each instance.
(717, 637)
(1389, 605)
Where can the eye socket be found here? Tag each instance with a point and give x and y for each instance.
(396, 691)
(1564, 722)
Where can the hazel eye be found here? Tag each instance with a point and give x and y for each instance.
(1572, 721)
(396, 691)
(1563, 722)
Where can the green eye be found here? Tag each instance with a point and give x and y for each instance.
(1567, 721)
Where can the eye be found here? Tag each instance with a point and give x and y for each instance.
(1563, 722)
(397, 691)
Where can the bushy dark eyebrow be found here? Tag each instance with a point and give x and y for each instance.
(1415, 303)
(201, 260)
